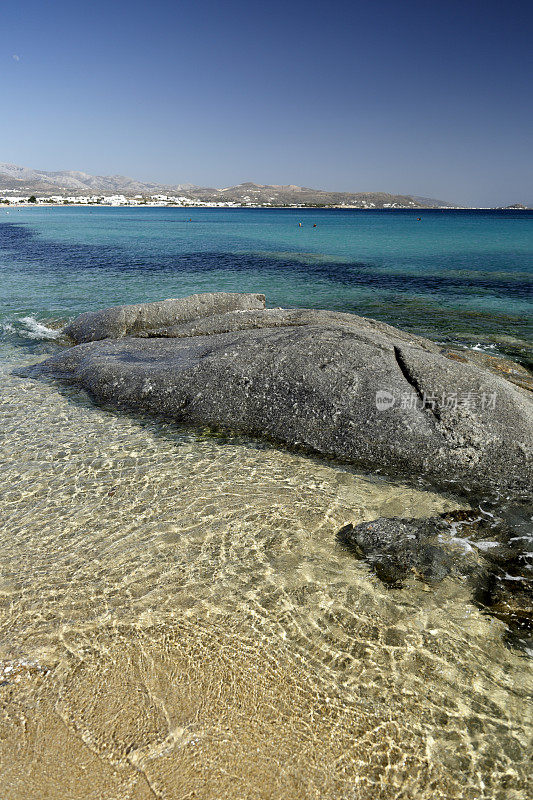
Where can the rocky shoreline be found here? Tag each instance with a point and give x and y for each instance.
(335, 384)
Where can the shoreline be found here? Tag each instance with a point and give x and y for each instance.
(9, 207)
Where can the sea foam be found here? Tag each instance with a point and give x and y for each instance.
(36, 330)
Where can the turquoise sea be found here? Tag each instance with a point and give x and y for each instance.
(452, 275)
(177, 616)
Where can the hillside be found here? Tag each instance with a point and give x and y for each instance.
(25, 180)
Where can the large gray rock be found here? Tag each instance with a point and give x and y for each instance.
(119, 321)
(335, 384)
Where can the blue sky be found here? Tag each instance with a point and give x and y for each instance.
(430, 98)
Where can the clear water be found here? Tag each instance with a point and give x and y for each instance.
(176, 616)
(463, 276)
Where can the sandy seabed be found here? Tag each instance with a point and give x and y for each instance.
(177, 620)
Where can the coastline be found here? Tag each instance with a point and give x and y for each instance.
(264, 207)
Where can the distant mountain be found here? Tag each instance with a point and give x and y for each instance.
(13, 176)
(37, 181)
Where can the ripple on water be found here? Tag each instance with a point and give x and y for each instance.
(177, 618)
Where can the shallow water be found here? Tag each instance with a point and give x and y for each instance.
(177, 619)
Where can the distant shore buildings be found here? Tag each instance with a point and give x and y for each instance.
(11, 199)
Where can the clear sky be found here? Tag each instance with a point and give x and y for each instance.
(429, 98)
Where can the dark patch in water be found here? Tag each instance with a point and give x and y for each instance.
(61, 255)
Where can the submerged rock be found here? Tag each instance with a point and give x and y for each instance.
(336, 384)
(504, 539)
(396, 548)
(493, 553)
